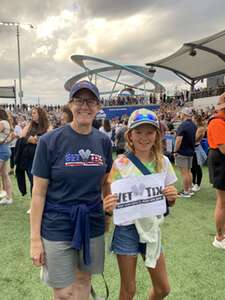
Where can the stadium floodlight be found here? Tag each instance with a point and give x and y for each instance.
(18, 25)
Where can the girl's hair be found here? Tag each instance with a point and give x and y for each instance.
(107, 125)
(40, 127)
(3, 115)
(156, 150)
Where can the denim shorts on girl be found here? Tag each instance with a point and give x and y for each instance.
(126, 241)
(5, 152)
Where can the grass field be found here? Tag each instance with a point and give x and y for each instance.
(196, 269)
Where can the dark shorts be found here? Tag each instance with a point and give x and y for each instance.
(216, 166)
(126, 241)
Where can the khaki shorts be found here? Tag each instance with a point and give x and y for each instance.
(61, 261)
(182, 161)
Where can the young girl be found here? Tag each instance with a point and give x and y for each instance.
(144, 141)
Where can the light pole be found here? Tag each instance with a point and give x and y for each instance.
(18, 25)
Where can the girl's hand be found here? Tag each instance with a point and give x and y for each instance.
(109, 203)
(37, 252)
(170, 192)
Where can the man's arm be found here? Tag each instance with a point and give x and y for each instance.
(178, 143)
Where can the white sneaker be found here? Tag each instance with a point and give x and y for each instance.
(184, 195)
(3, 194)
(195, 188)
(28, 211)
(219, 244)
(6, 201)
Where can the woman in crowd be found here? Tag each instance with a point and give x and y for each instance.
(199, 156)
(66, 116)
(16, 132)
(67, 220)
(4, 156)
(31, 133)
(144, 141)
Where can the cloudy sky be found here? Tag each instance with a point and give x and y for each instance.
(124, 31)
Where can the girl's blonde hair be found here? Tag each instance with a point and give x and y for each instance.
(156, 150)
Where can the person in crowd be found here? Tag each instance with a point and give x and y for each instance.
(66, 116)
(70, 169)
(97, 123)
(199, 156)
(120, 138)
(31, 133)
(15, 134)
(106, 128)
(184, 150)
(144, 141)
(216, 166)
(5, 154)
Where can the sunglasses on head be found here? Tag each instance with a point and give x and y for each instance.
(145, 117)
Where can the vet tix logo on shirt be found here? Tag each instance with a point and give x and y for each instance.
(83, 158)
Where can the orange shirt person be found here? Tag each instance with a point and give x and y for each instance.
(216, 165)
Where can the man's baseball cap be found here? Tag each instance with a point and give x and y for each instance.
(84, 84)
(187, 111)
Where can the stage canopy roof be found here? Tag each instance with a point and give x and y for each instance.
(197, 60)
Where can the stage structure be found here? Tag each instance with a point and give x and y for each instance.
(196, 60)
(144, 73)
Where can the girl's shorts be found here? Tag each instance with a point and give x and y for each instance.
(126, 241)
(61, 261)
(5, 152)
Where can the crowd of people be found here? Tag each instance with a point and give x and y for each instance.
(66, 154)
(208, 92)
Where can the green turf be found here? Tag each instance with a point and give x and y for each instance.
(196, 269)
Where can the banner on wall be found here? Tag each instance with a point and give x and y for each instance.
(113, 112)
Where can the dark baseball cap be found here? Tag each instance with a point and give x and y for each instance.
(84, 85)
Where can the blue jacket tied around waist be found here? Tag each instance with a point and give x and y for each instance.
(79, 217)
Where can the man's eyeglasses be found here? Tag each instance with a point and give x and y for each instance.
(89, 101)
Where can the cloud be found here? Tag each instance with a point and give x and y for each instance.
(48, 28)
(125, 31)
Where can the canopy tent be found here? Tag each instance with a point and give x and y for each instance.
(197, 60)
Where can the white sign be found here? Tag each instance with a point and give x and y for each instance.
(138, 197)
(7, 92)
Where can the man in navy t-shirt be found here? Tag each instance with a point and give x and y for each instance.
(184, 150)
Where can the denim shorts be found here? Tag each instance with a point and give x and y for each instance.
(126, 241)
(5, 152)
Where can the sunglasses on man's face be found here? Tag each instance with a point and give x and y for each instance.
(91, 102)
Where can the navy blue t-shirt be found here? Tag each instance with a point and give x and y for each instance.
(75, 165)
(187, 130)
